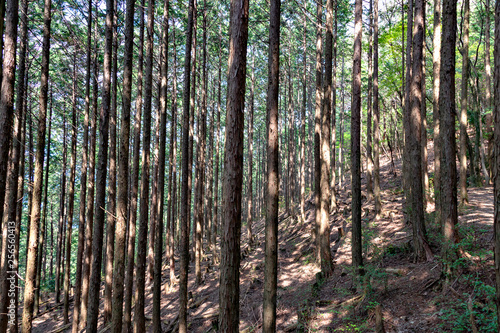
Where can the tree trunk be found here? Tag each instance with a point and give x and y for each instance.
(185, 193)
(102, 161)
(37, 186)
(369, 109)
(71, 203)
(83, 186)
(463, 105)
(87, 255)
(229, 295)
(317, 131)
(303, 124)
(487, 83)
(407, 114)
(273, 182)
(8, 78)
(111, 210)
(376, 116)
(436, 59)
(250, 156)
(447, 109)
(129, 277)
(123, 173)
(496, 158)
(140, 272)
(357, 258)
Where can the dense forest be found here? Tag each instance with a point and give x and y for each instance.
(226, 166)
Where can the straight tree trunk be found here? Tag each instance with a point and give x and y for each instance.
(447, 109)
(185, 193)
(317, 130)
(436, 59)
(140, 272)
(83, 186)
(200, 163)
(229, 295)
(111, 210)
(12, 203)
(123, 173)
(71, 203)
(250, 156)
(303, 123)
(415, 154)
(369, 109)
(487, 77)
(37, 186)
(357, 258)
(333, 199)
(376, 116)
(463, 105)
(496, 160)
(129, 277)
(325, 253)
(87, 254)
(102, 163)
(8, 79)
(273, 182)
(158, 260)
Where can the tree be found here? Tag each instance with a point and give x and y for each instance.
(229, 295)
(447, 111)
(123, 168)
(272, 205)
(184, 237)
(102, 163)
(463, 105)
(436, 59)
(357, 258)
(496, 223)
(37, 186)
(376, 115)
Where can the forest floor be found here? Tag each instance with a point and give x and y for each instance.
(409, 294)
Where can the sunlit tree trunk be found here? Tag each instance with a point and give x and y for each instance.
(463, 105)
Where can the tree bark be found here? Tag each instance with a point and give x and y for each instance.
(102, 163)
(37, 186)
(436, 59)
(229, 295)
(496, 160)
(250, 156)
(273, 182)
(463, 105)
(357, 258)
(376, 116)
(185, 193)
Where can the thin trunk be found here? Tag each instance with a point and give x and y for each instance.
(139, 318)
(229, 295)
(123, 173)
(463, 105)
(376, 116)
(333, 199)
(436, 59)
(357, 258)
(102, 163)
(83, 183)
(273, 182)
(496, 158)
(111, 208)
(369, 111)
(87, 254)
(184, 236)
(487, 83)
(62, 217)
(71, 203)
(42, 115)
(303, 123)
(250, 156)
(129, 277)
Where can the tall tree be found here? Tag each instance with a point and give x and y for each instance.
(37, 186)
(250, 155)
(229, 295)
(436, 60)
(376, 115)
(184, 237)
(83, 177)
(7, 92)
(303, 122)
(463, 104)
(140, 271)
(447, 111)
(158, 261)
(497, 157)
(123, 174)
(273, 183)
(357, 258)
(324, 234)
(102, 163)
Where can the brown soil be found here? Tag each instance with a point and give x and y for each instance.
(410, 293)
